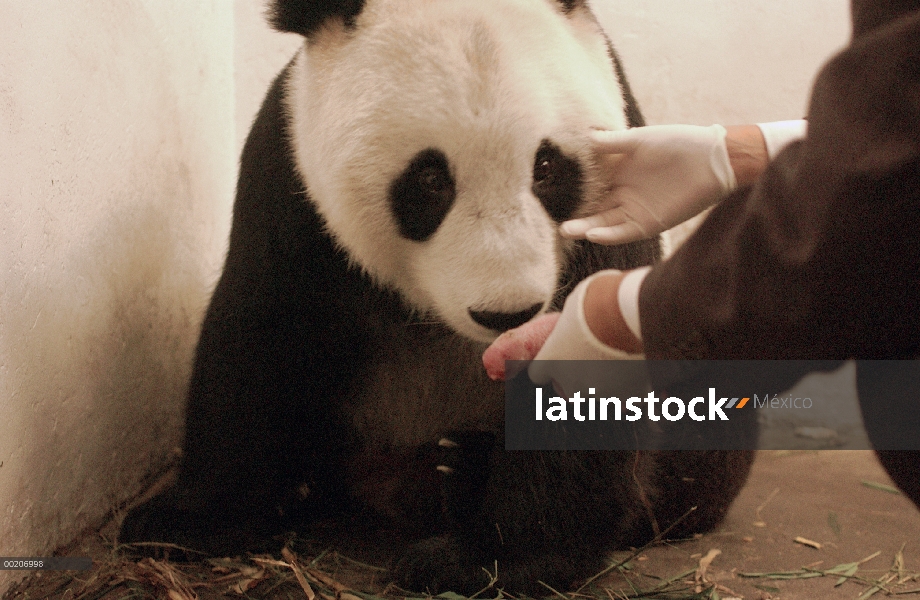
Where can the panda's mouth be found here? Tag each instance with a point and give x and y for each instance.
(503, 321)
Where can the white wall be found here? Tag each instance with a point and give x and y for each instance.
(116, 175)
(724, 61)
(260, 53)
(120, 124)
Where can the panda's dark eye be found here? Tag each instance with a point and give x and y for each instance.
(434, 181)
(422, 195)
(556, 181)
(543, 168)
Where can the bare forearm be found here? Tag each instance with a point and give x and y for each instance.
(603, 316)
(747, 152)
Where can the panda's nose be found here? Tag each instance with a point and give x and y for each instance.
(503, 321)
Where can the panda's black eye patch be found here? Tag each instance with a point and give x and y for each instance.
(556, 181)
(422, 195)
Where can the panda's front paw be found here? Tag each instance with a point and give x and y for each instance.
(464, 461)
(443, 564)
(157, 528)
(440, 564)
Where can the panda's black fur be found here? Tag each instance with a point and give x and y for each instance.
(300, 387)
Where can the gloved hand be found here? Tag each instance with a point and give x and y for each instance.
(665, 175)
(566, 351)
(572, 340)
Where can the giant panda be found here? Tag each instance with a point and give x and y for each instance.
(397, 208)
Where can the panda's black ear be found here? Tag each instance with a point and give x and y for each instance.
(306, 16)
(570, 5)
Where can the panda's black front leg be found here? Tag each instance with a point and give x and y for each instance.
(454, 561)
(259, 423)
(535, 517)
(183, 526)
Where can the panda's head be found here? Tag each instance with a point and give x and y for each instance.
(443, 141)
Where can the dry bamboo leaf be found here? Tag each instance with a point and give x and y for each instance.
(248, 580)
(700, 576)
(271, 562)
(881, 487)
(898, 565)
(325, 580)
(292, 563)
(760, 522)
(164, 575)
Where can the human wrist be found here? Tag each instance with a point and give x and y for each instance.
(747, 152)
(603, 317)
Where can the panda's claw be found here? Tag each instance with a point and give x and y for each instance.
(465, 451)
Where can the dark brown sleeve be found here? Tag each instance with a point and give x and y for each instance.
(821, 258)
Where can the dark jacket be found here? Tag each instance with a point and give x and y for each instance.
(820, 259)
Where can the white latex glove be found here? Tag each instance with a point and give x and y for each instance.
(779, 134)
(572, 340)
(665, 175)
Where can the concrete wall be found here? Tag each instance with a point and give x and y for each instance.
(120, 125)
(260, 53)
(116, 177)
(724, 61)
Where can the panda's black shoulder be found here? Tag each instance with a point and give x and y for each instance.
(267, 168)
(278, 238)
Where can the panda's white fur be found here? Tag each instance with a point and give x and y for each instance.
(489, 81)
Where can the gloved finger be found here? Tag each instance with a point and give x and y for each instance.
(615, 142)
(577, 228)
(522, 343)
(565, 375)
(623, 233)
(540, 372)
